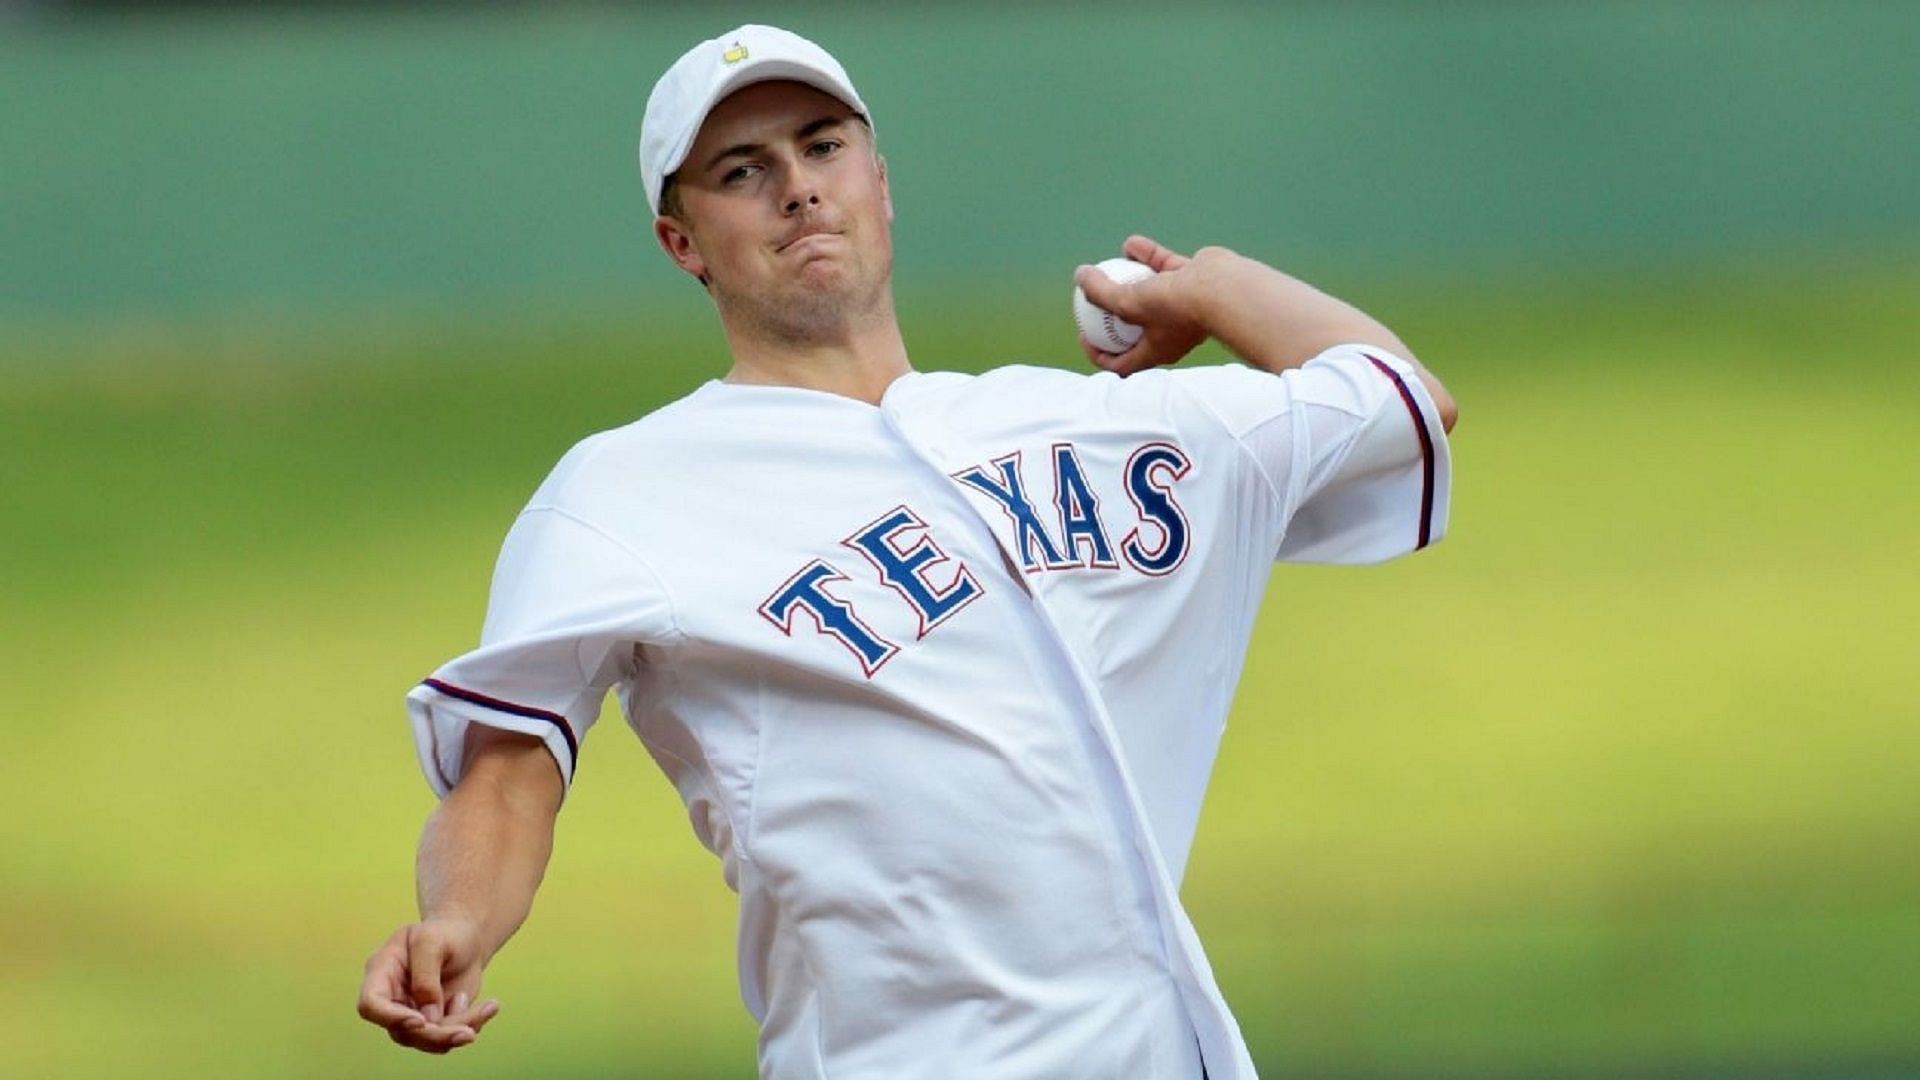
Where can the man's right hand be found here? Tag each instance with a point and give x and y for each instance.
(1166, 306)
(422, 983)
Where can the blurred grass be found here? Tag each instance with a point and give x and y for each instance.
(1616, 781)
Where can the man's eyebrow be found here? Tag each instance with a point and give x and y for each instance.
(820, 125)
(808, 130)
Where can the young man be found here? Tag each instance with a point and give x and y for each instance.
(938, 663)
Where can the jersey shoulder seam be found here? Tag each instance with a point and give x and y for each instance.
(1245, 452)
(673, 608)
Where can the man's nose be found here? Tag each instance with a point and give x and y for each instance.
(802, 189)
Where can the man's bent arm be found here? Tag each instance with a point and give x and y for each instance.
(482, 855)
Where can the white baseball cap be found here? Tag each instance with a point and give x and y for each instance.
(715, 68)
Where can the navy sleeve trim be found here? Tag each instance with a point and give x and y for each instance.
(528, 711)
(1426, 449)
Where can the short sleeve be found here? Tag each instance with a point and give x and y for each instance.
(1351, 446)
(568, 604)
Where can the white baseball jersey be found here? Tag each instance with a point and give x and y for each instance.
(941, 680)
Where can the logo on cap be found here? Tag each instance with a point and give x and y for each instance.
(735, 54)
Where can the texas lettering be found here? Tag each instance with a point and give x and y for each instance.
(1066, 532)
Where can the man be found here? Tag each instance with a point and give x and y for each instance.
(938, 663)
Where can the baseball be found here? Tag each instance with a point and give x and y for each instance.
(1108, 333)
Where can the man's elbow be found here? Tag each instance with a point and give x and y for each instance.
(514, 768)
(1443, 402)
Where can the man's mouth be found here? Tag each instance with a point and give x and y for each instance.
(807, 235)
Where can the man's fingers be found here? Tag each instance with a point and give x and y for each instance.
(1094, 355)
(1135, 359)
(1122, 363)
(384, 983)
(432, 1038)
(1159, 256)
(413, 1041)
(1092, 282)
(1145, 353)
(474, 1016)
(405, 994)
(1156, 348)
(394, 946)
(1106, 293)
(378, 1008)
(424, 956)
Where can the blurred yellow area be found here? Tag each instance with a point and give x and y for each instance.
(1616, 781)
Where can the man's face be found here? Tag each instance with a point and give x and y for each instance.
(785, 211)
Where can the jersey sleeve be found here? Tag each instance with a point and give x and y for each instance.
(1350, 446)
(568, 605)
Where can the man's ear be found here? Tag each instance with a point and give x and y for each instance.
(886, 195)
(679, 245)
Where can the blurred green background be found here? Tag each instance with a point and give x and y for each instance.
(297, 306)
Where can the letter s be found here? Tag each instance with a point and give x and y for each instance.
(1151, 473)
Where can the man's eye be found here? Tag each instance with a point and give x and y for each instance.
(737, 174)
(824, 147)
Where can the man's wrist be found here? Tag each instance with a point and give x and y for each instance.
(1235, 295)
(1222, 276)
(454, 925)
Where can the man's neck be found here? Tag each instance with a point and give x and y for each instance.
(859, 363)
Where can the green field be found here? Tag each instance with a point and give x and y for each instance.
(1617, 781)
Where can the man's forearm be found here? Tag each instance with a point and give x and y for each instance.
(1275, 321)
(482, 855)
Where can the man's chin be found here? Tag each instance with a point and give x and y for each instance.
(816, 308)
(825, 284)
(819, 267)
